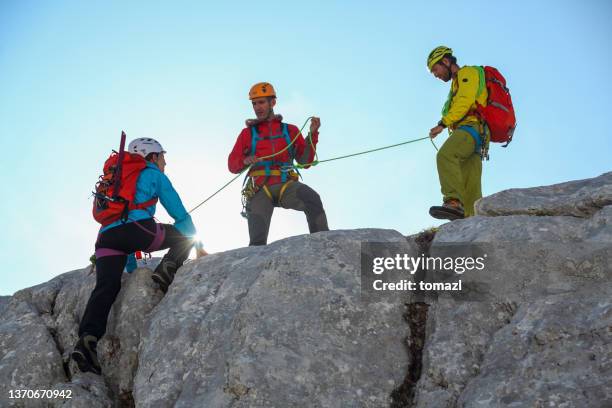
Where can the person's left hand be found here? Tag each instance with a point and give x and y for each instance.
(315, 124)
(200, 252)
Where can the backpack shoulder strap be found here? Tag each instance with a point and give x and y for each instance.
(254, 139)
(481, 80)
(285, 130)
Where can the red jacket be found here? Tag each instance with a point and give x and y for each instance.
(242, 149)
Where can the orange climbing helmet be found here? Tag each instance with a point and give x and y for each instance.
(262, 89)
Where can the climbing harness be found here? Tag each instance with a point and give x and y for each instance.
(481, 147)
(285, 167)
(286, 170)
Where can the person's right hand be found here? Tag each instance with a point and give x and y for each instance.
(200, 252)
(435, 131)
(315, 124)
(250, 160)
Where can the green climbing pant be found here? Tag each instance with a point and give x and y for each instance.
(460, 170)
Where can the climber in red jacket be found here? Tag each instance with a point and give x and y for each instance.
(273, 182)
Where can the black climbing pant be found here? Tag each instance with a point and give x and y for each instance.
(112, 248)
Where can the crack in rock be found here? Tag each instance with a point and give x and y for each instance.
(416, 317)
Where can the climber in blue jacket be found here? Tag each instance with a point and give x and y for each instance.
(139, 233)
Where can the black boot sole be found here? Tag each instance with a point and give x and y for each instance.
(163, 285)
(84, 365)
(445, 213)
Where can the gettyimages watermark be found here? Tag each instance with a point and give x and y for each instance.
(412, 264)
(388, 268)
(479, 271)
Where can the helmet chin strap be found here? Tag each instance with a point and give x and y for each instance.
(449, 71)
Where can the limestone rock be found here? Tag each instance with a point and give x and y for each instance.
(534, 328)
(558, 348)
(3, 302)
(580, 198)
(281, 325)
(274, 326)
(39, 329)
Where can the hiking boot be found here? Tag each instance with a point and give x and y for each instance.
(86, 356)
(164, 274)
(451, 210)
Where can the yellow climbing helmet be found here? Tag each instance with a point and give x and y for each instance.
(437, 54)
(261, 89)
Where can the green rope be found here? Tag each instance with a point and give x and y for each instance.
(218, 191)
(313, 163)
(289, 145)
(434, 145)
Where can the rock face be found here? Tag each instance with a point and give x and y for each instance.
(271, 326)
(537, 330)
(274, 326)
(581, 198)
(39, 327)
(285, 325)
(3, 302)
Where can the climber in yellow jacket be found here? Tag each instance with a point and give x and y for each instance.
(459, 160)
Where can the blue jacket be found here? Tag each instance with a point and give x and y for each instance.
(153, 183)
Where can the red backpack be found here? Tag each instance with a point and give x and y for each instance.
(499, 112)
(115, 190)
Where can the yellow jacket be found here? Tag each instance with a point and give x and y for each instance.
(463, 97)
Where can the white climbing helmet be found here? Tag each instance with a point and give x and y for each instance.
(144, 146)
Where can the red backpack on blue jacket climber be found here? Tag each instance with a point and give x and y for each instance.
(115, 190)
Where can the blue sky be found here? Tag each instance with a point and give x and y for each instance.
(73, 75)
